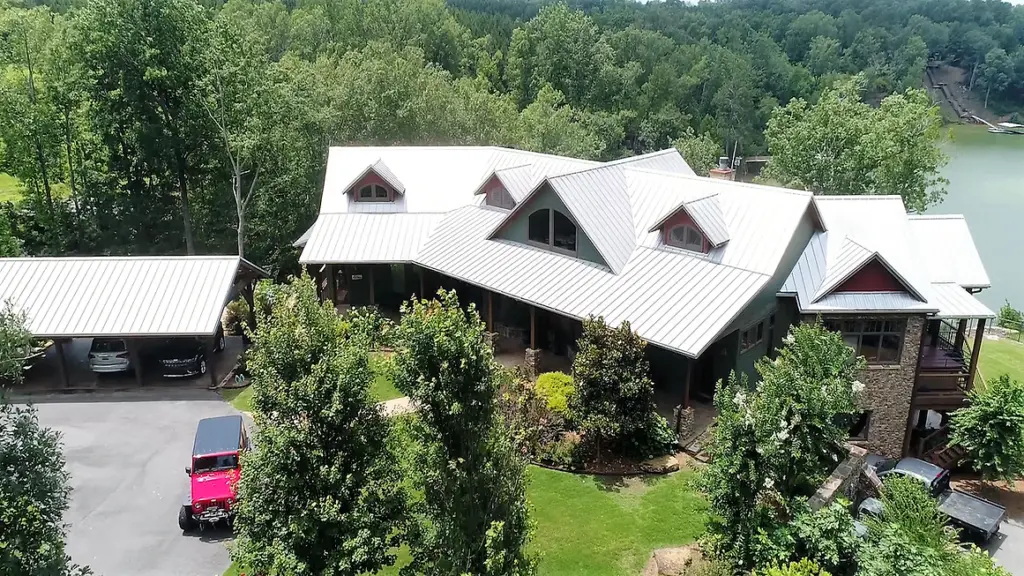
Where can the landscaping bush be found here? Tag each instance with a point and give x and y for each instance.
(991, 428)
(235, 317)
(804, 567)
(565, 452)
(613, 401)
(373, 328)
(555, 388)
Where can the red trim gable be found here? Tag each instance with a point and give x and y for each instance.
(873, 277)
(371, 177)
(681, 217)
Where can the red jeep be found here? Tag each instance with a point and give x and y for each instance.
(214, 472)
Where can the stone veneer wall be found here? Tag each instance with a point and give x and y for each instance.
(888, 390)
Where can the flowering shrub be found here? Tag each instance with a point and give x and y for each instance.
(773, 443)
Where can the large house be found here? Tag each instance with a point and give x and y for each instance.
(710, 272)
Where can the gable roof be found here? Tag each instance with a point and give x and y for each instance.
(122, 296)
(861, 230)
(945, 243)
(706, 213)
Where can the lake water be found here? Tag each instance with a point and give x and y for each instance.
(986, 185)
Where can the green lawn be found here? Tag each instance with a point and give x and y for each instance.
(1002, 356)
(597, 526)
(10, 188)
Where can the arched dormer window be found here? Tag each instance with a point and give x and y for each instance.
(686, 237)
(373, 193)
(553, 230)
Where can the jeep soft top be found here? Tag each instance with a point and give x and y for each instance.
(218, 435)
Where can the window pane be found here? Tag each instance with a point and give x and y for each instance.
(679, 234)
(853, 341)
(890, 349)
(851, 326)
(760, 331)
(565, 232)
(869, 347)
(539, 226)
(380, 191)
(693, 237)
(366, 192)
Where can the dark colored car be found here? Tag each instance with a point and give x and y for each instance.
(183, 357)
(214, 473)
(976, 517)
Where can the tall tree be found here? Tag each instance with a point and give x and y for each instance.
(15, 340)
(320, 494)
(144, 61)
(473, 516)
(34, 491)
(842, 146)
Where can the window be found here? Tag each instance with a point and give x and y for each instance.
(751, 337)
(878, 341)
(859, 426)
(500, 198)
(686, 237)
(540, 227)
(552, 229)
(373, 193)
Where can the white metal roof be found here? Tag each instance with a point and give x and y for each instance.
(368, 238)
(599, 202)
(866, 228)
(121, 296)
(945, 243)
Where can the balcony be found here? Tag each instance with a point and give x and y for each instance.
(944, 372)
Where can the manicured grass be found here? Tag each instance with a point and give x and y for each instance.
(240, 398)
(597, 526)
(10, 188)
(1003, 356)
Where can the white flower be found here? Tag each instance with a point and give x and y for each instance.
(739, 399)
(782, 425)
(858, 387)
(789, 339)
(768, 483)
(782, 435)
(796, 419)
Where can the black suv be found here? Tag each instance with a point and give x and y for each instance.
(183, 357)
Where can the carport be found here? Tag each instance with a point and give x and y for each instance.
(131, 298)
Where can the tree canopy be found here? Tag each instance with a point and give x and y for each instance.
(170, 126)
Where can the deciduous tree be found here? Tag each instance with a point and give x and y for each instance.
(700, 151)
(991, 428)
(843, 146)
(15, 342)
(473, 516)
(319, 493)
(34, 491)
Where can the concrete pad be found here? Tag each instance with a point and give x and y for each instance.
(127, 453)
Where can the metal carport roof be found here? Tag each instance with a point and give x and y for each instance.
(136, 296)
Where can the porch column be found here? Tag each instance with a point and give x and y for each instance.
(979, 335)
(133, 357)
(961, 333)
(490, 311)
(686, 382)
(371, 285)
(210, 363)
(61, 361)
(332, 281)
(533, 327)
(423, 283)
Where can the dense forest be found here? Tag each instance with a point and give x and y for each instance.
(173, 126)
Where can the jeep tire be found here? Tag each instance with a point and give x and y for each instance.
(185, 520)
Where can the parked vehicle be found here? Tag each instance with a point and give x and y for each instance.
(109, 355)
(214, 473)
(183, 357)
(977, 518)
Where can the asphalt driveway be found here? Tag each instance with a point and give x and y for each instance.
(127, 453)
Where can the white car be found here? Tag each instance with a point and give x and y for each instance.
(109, 355)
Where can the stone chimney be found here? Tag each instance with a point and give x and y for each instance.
(724, 170)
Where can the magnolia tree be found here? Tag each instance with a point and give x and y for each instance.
(320, 493)
(991, 428)
(773, 443)
(472, 517)
(34, 493)
(15, 341)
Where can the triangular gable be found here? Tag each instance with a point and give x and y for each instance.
(544, 195)
(706, 214)
(878, 275)
(518, 181)
(381, 170)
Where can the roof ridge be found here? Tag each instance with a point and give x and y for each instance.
(826, 197)
(936, 217)
(795, 192)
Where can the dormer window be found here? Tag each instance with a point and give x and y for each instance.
(552, 230)
(373, 193)
(500, 198)
(686, 237)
